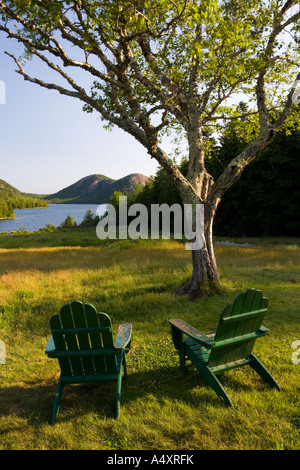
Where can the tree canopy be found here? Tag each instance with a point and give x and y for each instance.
(152, 65)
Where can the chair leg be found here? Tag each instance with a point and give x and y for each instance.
(215, 384)
(263, 372)
(57, 399)
(119, 387)
(209, 376)
(124, 363)
(182, 358)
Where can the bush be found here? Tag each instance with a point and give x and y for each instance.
(89, 219)
(69, 222)
(47, 228)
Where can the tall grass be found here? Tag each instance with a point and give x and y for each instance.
(160, 408)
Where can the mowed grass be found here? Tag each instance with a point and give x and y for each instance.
(160, 407)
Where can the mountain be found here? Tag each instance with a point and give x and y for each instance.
(11, 198)
(9, 189)
(97, 189)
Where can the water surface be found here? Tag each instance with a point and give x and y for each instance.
(55, 214)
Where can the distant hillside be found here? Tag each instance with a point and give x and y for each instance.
(11, 198)
(97, 189)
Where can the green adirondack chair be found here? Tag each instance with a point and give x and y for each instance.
(230, 346)
(82, 341)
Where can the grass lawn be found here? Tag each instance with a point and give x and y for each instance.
(136, 282)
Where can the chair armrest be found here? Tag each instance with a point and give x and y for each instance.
(263, 330)
(50, 347)
(123, 336)
(191, 332)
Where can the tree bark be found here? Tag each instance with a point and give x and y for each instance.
(205, 278)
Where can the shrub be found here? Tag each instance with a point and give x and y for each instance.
(69, 222)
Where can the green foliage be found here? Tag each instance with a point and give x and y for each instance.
(11, 198)
(89, 219)
(227, 39)
(48, 228)
(266, 199)
(114, 198)
(159, 189)
(114, 201)
(69, 222)
(6, 210)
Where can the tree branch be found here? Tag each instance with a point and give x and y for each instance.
(233, 170)
(176, 91)
(260, 89)
(288, 105)
(123, 122)
(166, 100)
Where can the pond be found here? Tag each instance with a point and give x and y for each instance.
(55, 214)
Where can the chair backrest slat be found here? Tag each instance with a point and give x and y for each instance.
(110, 363)
(80, 322)
(60, 345)
(95, 338)
(79, 328)
(242, 318)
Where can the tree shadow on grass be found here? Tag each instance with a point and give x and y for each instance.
(33, 402)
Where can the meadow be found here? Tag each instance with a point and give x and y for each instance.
(136, 282)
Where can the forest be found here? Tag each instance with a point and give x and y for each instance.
(263, 202)
(11, 198)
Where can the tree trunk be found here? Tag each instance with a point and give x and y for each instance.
(205, 278)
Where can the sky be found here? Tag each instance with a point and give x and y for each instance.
(48, 143)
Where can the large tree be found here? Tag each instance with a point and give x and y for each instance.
(161, 66)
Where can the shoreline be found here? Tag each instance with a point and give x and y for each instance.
(24, 208)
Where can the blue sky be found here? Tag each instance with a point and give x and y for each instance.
(47, 142)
